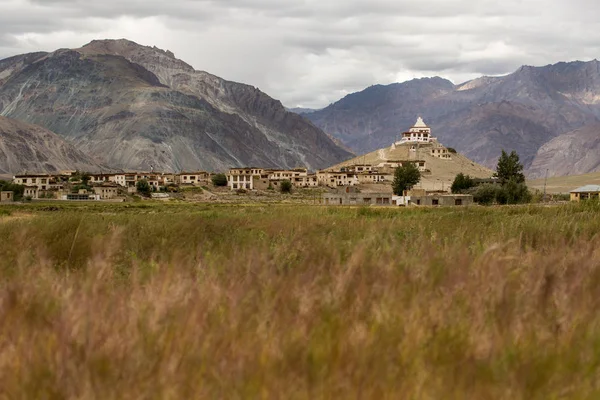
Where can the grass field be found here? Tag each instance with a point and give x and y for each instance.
(178, 301)
(564, 184)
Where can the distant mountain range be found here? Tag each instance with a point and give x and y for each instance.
(549, 115)
(302, 110)
(132, 107)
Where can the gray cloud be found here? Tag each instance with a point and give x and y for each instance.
(312, 52)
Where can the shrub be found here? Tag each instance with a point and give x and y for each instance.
(485, 194)
(219, 180)
(452, 150)
(143, 187)
(286, 187)
(516, 192)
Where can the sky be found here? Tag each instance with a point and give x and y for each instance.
(310, 53)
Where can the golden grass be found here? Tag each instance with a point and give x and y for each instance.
(297, 302)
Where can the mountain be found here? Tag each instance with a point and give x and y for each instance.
(134, 106)
(571, 153)
(522, 111)
(26, 147)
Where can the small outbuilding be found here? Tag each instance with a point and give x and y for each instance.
(585, 193)
(7, 197)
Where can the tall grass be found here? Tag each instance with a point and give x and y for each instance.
(299, 302)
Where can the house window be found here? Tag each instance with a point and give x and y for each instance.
(435, 202)
(458, 202)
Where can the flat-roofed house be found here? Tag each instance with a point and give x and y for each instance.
(41, 181)
(193, 178)
(244, 178)
(107, 191)
(7, 197)
(31, 192)
(337, 178)
(585, 193)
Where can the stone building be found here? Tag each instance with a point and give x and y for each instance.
(198, 178)
(357, 199)
(107, 191)
(7, 197)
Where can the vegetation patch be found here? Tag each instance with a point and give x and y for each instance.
(289, 301)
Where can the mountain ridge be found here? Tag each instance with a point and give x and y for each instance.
(521, 111)
(135, 106)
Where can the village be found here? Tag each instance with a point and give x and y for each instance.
(364, 180)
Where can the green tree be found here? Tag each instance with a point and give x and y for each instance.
(485, 194)
(286, 187)
(405, 178)
(143, 187)
(219, 180)
(462, 183)
(509, 168)
(516, 193)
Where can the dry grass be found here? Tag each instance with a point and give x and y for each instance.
(564, 184)
(298, 302)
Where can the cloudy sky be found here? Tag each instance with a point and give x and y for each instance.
(312, 52)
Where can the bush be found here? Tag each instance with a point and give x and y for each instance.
(516, 192)
(451, 150)
(485, 194)
(219, 180)
(286, 187)
(143, 187)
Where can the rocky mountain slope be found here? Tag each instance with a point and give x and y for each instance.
(572, 153)
(26, 147)
(133, 107)
(521, 111)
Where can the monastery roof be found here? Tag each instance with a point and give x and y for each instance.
(420, 123)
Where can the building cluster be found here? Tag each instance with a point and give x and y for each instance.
(103, 186)
(261, 179)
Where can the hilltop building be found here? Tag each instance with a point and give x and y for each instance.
(420, 136)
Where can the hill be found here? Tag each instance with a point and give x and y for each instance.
(440, 171)
(136, 106)
(26, 147)
(522, 111)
